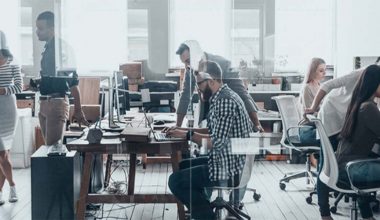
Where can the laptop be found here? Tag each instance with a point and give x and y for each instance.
(159, 136)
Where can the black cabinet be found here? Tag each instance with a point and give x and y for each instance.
(55, 185)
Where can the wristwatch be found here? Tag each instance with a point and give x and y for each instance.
(189, 135)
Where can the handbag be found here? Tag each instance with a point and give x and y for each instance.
(95, 134)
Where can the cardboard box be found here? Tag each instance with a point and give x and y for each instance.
(25, 103)
(133, 70)
(136, 81)
(133, 87)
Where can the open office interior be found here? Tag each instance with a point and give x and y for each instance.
(189, 109)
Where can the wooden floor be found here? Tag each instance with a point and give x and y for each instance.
(274, 203)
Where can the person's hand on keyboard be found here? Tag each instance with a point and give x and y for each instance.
(167, 129)
(176, 133)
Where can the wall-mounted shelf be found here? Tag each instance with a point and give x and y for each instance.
(274, 92)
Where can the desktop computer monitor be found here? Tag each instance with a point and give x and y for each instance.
(115, 95)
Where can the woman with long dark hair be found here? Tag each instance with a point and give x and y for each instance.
(360, 132)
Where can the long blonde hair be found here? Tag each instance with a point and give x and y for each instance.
(310, 75)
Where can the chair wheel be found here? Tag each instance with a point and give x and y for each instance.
(282, 186)
(333, 209)
(309, 200)
(256, 196)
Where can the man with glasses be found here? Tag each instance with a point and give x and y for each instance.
(191, 54)
(227, 118)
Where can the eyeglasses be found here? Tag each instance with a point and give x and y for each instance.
(199, 83)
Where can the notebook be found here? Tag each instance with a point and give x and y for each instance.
(158, 136)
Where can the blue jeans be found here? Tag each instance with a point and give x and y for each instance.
(188, 186)
(235, 198)
(323, 190)
(308, 136)
(343, 182)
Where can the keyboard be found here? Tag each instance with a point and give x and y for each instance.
(162, 137)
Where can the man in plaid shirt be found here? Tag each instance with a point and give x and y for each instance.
(227, 119)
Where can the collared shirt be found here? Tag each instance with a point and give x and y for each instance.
(48, 67)
(50, 84)
(227, 119)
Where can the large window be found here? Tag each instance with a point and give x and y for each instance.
(10, 25)
(96, 31)
(207, 21)
(26, 35)
(246, 36)
(138, 34)
(304, 29)
(221, 27)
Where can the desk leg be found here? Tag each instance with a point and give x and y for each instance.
(108, 170)
(85, 182)
(132, 174)
(176, 157)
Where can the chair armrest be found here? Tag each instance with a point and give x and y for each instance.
(367, 169)
(291, 128)
(311, 117)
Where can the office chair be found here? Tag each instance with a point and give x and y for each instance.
(219, 203)
(330, 171)
(290, 117)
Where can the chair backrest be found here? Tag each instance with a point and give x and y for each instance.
(247, 170)
(290, 115)
(330, 171)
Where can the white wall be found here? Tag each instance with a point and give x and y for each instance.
(358, 32)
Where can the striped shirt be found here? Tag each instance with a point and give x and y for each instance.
(10, 79)
(227, 119)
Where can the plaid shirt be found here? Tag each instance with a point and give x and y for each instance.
(227, 119)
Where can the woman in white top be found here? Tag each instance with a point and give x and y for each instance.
(338, 94)
(316, 72)
(10, 83)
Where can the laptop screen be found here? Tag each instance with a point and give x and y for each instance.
(149, 124)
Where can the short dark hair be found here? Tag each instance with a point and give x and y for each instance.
(6, 53)
(211, 68)
(48, 16)
(181, 49)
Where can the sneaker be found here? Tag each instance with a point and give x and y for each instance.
(57, 149)
(1, 198)
(12, 194)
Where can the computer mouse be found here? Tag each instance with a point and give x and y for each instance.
(159, 122)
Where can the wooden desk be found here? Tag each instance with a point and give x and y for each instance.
(118, 146)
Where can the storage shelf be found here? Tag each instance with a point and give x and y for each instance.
(274, 92)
